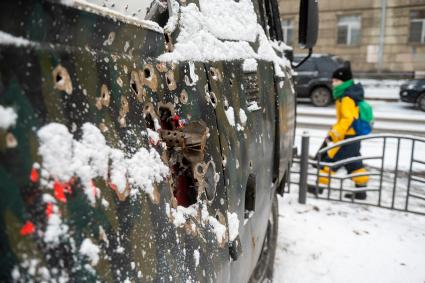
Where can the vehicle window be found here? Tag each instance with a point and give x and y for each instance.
(326, 65)
(269, 18)
(308, 65)
(154, 10)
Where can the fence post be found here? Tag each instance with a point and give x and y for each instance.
(305, 143)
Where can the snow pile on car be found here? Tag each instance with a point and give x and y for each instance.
(221, 30)
(64, 157)
(8, 117)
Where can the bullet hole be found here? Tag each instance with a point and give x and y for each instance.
(184, 97)
(148, 77)
(167, 38)
(105, 97)
(171, 83)
(215, 74)
(213, 99)
(62, 79)
(136, 86)
(231, 83)
(147, 73)
(11, 141)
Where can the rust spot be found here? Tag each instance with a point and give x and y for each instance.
(123, 111)
(253, 242)
(122, 196)
(120, 82)
(162, 67)
(184, 97)
(62, 79)
(11, 141)
(156, 197)
(171, 82)
(103, 127)
(190, 228)
(102, 236)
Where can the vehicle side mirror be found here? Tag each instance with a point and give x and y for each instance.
(308, 23)
(308, 28)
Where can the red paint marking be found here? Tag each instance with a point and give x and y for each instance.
(112, 186)
(59, 191)
(49, 209)
(28, 229)
(35, 176)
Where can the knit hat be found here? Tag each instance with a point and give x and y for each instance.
(343, 73)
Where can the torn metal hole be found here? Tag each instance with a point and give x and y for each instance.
(62, 79)
(166, 113)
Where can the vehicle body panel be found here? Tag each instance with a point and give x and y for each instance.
(78, 67)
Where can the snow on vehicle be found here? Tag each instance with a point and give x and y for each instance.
(143, 145)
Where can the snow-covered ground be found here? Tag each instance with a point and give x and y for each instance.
(331, 241)
(326, 241)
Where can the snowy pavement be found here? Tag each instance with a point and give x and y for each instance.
(327, 241)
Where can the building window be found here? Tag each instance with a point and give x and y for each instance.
(287, 30)
(349, 30)
(417, 26)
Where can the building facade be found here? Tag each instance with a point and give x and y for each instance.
(357, 31)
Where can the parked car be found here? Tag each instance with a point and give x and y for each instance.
(133, 150)
(313, 79)
(414, 92)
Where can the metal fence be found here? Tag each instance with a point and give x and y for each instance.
(395, 166)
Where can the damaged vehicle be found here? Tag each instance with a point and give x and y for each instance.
(144, 141)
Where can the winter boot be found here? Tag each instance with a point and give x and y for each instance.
(357, 195)
(324, 173)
